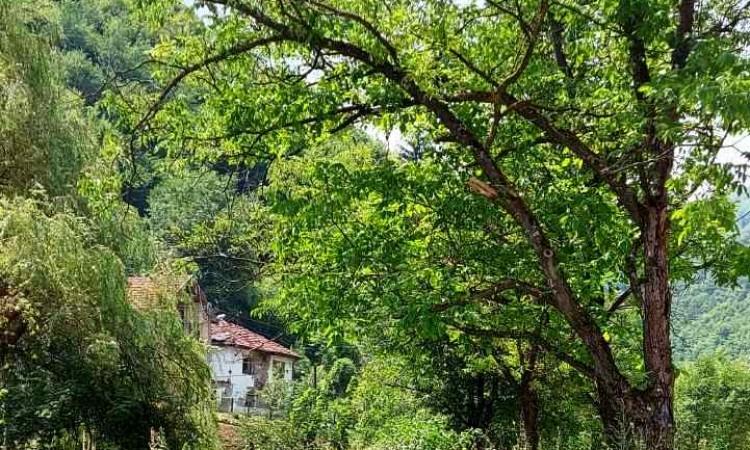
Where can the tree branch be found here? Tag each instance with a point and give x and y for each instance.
(683, 41)
(231, 52)
(534, 338)
(619, 301)
(532, 38)
(367, 25)
(473, 68)
(556, 34)
(491, 294)
(625, 194)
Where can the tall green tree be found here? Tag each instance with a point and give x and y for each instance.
(377, 263)
(590, 130)
(44, 143)
(200, 216)
(102, 46)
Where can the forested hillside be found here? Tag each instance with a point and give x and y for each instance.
(710, 318)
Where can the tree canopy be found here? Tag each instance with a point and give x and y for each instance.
(470, 216)
(586, 134)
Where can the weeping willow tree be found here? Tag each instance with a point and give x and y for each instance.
(80, 358)
(77, 363)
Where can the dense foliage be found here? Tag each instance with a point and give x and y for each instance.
(44, 141)
(83, 360)
(713, 397)
(479, 377)
(102, 46)
(587, 136)
(79, 367)
(365, 408)
(500, 276)
(200, 216)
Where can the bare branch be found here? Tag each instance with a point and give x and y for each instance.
(729, 24)
(471, 96)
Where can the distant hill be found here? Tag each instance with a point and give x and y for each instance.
(708, 318)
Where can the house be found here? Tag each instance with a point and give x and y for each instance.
(149, 293)
(242, 363)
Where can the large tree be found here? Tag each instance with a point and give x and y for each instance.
(593, 128)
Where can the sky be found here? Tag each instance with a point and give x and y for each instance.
(733, 151)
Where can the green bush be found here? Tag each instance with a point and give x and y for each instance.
(712, 405)
(354, 408)
(422, 431)
(261, 433)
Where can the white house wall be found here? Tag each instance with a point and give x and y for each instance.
(226, 366)
(232, 385)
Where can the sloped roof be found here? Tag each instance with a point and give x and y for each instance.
(232, 335)
(145, 292)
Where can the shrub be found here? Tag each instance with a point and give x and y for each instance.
(261, 433)
(712, 405)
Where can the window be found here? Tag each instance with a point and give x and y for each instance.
(279, 369)
(248, 366)
(185, 317)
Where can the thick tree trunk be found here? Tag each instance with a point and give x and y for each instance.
(657, 346)
(659, 429)
(635, 418)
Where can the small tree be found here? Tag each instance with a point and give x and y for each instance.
(276, 395)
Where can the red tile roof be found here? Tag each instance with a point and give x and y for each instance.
(229, 334)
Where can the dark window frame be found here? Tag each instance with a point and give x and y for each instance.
(248, 366)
